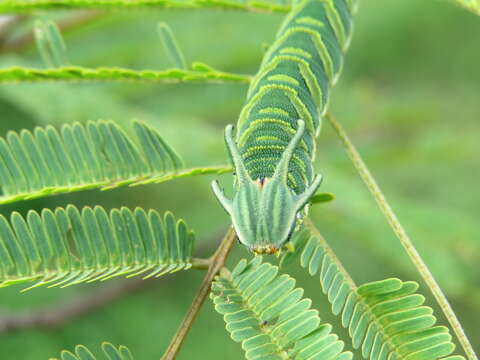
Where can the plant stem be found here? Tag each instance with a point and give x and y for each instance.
(70, 73)
(200, 264)
(27, 6)
(401, 234)
(216, 263)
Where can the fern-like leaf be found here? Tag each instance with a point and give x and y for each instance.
(200, 73)
(110, 351)
(264, 312)
(68, 247)
(96, 155)
(386, 319)
(171, 46)
(50, 43)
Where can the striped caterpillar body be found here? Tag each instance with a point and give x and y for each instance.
(275, 141)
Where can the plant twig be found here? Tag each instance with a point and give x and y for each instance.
(217, 262)
(200, 264)
(19, 74)
(401, 234)
(27, 6)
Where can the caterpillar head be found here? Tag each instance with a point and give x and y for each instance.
(264, 211)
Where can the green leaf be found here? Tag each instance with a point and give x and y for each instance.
(111, 352)
(171, 46)
(322, 198)
(50, 43)
(96, 155)
(69, 246)
(266, 313)
(385, 319)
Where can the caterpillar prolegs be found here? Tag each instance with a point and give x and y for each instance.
(274, 147)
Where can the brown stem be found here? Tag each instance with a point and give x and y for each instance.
(217, 262)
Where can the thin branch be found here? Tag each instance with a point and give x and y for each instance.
(217, 262)
(28, 6)
(401, 234)
(17, 74)
(200, 264)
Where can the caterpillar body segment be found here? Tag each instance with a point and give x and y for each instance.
(293, 83)
(274, 146)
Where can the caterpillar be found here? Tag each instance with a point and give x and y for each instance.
(274, 145)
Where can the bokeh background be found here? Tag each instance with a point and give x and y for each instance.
(409, 95)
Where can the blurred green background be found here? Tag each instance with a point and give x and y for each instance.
(409, 95)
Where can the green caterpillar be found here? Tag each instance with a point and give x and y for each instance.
(275, 141)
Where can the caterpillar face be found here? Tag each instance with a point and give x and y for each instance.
(264, 211)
